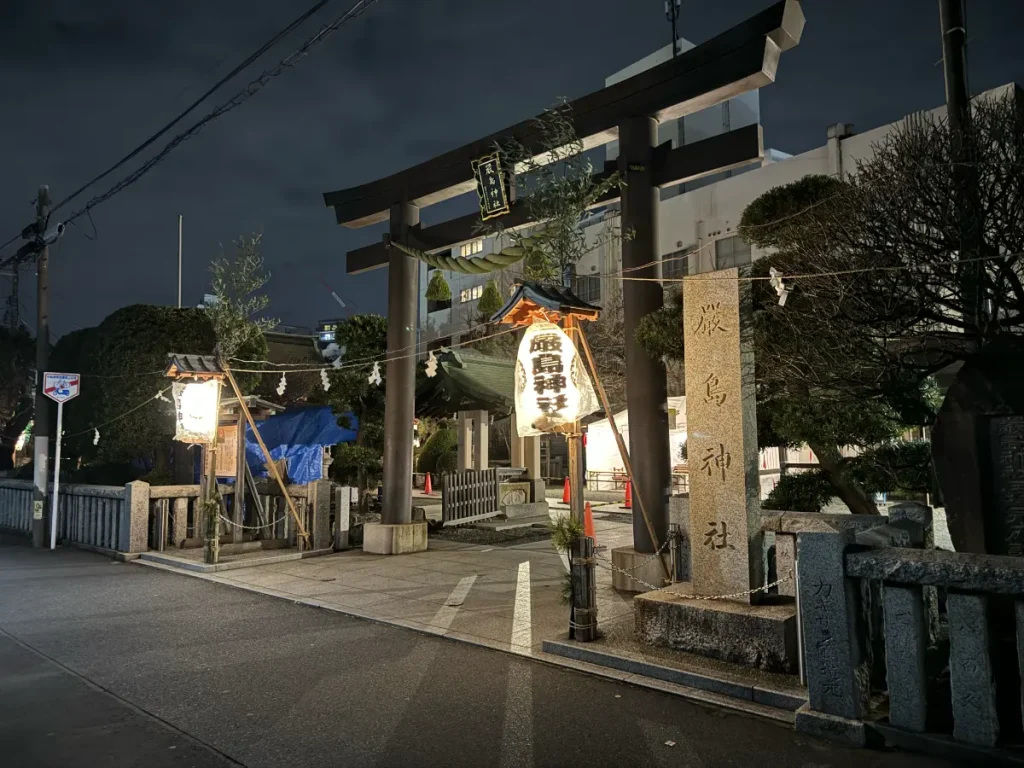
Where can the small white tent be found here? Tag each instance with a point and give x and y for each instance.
(606, 471)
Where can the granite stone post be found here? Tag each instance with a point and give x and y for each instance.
(134, 531)
(975, 720)
(480, 440)
(785, 562)
(465, 441)
(179, 521)
(725, 516)
(318, 495)
(342, 516)
(906, 643)
(833, 659)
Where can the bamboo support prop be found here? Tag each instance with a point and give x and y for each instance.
(266, 455)
(623, 452)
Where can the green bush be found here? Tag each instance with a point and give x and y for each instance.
(902, 468)
(803, 492)
(440, 452)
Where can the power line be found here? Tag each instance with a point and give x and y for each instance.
(356, 10)
(241, 97)
(209, 92)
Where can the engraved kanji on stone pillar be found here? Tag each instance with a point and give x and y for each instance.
(722, 435)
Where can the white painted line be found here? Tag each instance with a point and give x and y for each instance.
(522, 617)
(445, 615)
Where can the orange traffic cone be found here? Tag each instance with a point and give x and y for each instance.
(629, 495)
(428, 488)
(588, 522)
(565, 492)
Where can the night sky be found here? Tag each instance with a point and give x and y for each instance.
(84, 82)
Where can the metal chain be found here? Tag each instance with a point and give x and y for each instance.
(668, 591)
(650, 559)
(253, 527)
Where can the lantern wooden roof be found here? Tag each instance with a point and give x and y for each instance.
(541, 303)
(198, 366)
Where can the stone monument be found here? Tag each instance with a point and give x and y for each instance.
(978, 452)
(725, 523)
(721, 420)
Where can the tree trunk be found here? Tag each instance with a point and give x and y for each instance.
(851, 494)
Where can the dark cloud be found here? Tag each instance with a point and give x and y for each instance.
(85, 82)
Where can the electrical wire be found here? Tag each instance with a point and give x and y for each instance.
(238, 68)
(356, 10)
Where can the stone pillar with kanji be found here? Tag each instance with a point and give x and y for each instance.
(721, 417)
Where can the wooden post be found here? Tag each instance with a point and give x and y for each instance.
(623, 452)
(303, 536)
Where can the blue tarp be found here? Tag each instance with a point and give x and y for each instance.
(298, 435)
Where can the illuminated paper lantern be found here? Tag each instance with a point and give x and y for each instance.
(553, 389)
(197, 404)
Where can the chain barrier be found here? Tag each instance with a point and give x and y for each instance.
(252, 527)
(668, 591)
(650, 559)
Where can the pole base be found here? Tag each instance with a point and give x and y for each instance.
(394, 539)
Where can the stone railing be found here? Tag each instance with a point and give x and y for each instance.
(109, 519)
(136, 517)
(984, 614)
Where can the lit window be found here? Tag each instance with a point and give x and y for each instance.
(471, 249)
(471, 294)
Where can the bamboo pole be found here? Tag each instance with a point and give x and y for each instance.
(623, 452)
(266, 455)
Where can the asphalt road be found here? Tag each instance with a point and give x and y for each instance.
(111, 664)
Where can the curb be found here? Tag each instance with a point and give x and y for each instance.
(695, 695)
(757, 694)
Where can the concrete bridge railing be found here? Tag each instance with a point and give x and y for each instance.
(946, 688)
(109, 519)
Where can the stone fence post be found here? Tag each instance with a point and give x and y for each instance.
(318, 496)
(837, 676)
(134, 530)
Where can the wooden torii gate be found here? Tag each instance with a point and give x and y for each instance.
(739, 60)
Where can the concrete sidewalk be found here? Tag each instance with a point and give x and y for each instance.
(508, 598)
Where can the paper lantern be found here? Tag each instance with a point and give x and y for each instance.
(197, 404)
(553, 390)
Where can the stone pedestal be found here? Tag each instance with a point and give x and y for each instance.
(643, 566)
(762, 636)
(383, 539)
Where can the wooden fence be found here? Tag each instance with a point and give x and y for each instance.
(469, 496)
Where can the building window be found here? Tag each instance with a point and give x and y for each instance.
(731, 252)
(471, 249)
(676, 264)
(471, 294)
(588, 288)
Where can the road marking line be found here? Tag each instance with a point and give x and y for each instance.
(522, 617)
(445, 615)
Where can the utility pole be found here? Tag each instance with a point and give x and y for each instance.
(958, 109)
(672, 8)
(41, 425)
(179, 261)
